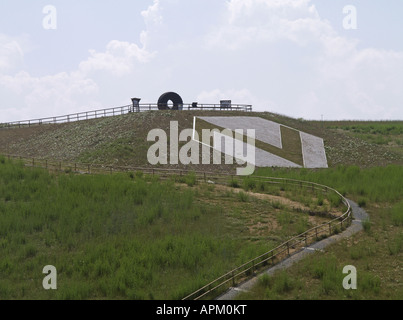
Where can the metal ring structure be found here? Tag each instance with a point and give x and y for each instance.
(170, 96)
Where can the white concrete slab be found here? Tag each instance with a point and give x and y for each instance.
(249, 153)
(266, 131)
(313, 150)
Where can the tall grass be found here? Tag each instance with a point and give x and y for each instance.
(377, 184)
(109, 236)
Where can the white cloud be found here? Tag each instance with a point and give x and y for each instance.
(319, 71)
(11, 52)
(251, 22)
(278, 55)
(49, 95)
(68, 92)
(153, 19)
(118, 59)
(153, 15)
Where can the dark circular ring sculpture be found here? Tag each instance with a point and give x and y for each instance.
(170, 96)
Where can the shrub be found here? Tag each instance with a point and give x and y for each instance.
(139, 174)
(320, 201)
(249, 184)
(397, 214)
(234, 183)
(243, 197)
(362, 202)
(277, 204)
(370, 283)
(366, 225)
(190, 179)
(283, 283)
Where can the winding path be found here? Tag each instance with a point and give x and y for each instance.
(356, 226)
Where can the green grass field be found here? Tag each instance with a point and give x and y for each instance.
(130, 236)
(377, 253)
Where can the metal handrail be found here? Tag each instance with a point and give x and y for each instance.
(102, 113)
(271, 255)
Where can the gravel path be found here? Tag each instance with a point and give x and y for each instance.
(359, 215)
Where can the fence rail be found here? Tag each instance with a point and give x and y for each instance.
(249, 268)
(284, 250)
(102, 113)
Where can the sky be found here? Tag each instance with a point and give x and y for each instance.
(311, 59)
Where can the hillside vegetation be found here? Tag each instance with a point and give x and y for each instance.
(122, 140)
(132, 236)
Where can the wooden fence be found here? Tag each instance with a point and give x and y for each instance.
(117, 111)
(275, 255)
(249, 268)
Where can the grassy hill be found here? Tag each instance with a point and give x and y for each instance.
(131, 236)
(122, 140)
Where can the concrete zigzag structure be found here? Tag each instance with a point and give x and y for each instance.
(277, 145)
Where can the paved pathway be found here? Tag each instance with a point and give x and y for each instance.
(359, 215)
